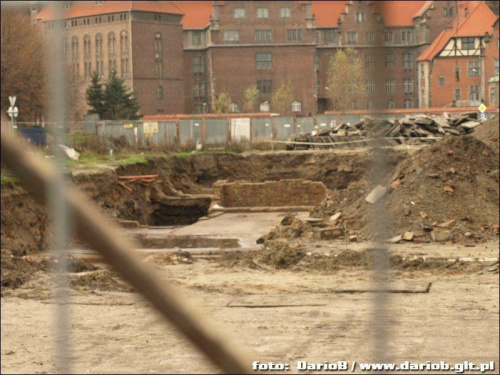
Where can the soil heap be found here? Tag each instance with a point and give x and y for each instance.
(452, 184)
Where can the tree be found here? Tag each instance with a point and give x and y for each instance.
(283, 99)
(119, 104)
(222, 103)
(346, 84)
(95, 95)
(22, 64)
(251, 96)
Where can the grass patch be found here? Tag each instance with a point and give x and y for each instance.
(7, 178)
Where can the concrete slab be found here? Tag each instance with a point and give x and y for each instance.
(247, 227)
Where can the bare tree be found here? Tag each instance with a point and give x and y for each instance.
(346, 82)
(22, 64)
(283, 99)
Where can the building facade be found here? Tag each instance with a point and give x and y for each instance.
(178, 57)
(456, 69)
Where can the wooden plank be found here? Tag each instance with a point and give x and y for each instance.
(323, 299)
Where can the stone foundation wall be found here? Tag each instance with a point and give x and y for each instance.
(281, 193)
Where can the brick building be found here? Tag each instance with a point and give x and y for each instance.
(178, 56)
(142, 41)
(455, 69)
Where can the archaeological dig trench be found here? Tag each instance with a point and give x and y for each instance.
(182, 193)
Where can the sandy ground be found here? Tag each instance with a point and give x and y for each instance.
(458, 320)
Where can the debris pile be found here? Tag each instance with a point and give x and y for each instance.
(448, 192)
(178, 257)
(386, 132)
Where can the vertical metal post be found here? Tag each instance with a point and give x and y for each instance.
(57, 206)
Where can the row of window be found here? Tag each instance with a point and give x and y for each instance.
(262, 35)
(88, 68)
(263, 12)
(199, 108)
(87, 45)
(88, 21)
(474, 93)
(390, 85)
(352, 37)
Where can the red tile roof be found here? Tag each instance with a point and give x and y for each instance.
(196, 13)
(436, 46)
(90, 8)
(395, 13)
(398, 13)
(327, 13)
(423, 9)
(479, 21)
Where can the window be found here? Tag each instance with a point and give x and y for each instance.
(316, 62)
(239, 12)
(265, 86)
(389, 36)
(124, 41)
(407, 60)
(198, 64)
(263, 35)
(369, 104)
(408, 103)
(493, 96)
(111, 42)
(296, 106)
(112, 65)
(66, 4)
(390, 104)
(406, 37)
(294, 34)
(458, 94)
(408, 85)
(264, 107)
(262, 13)
(87, 69)
(474, 68)
(199, 90)
(98, 44)
(467, 43)
(264, 60)
(159, 92)
(474, 93)
(448, 11)
(233, 108)
(369, 37)
(231, 36)
(285, 12)
(352, 59)
(390, 85)
(98, 3)
(370, 85)
(496, 64)
(352, 37)
(65, 48)
(457, 73)
(158, 68)
(86, 46)
(198, 108)
(124, 67)
(369, 61)
(158, 44)
(390, 59)
(360, 17)
(441, 81)
(331, 36)
(196, 38)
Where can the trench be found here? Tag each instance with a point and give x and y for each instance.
(181, 195)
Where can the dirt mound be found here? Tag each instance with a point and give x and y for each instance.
(105, 281)
(18, 269)
(487, 132)
(453, 183)
(290, 227)
(280, 255)
(179, 257)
